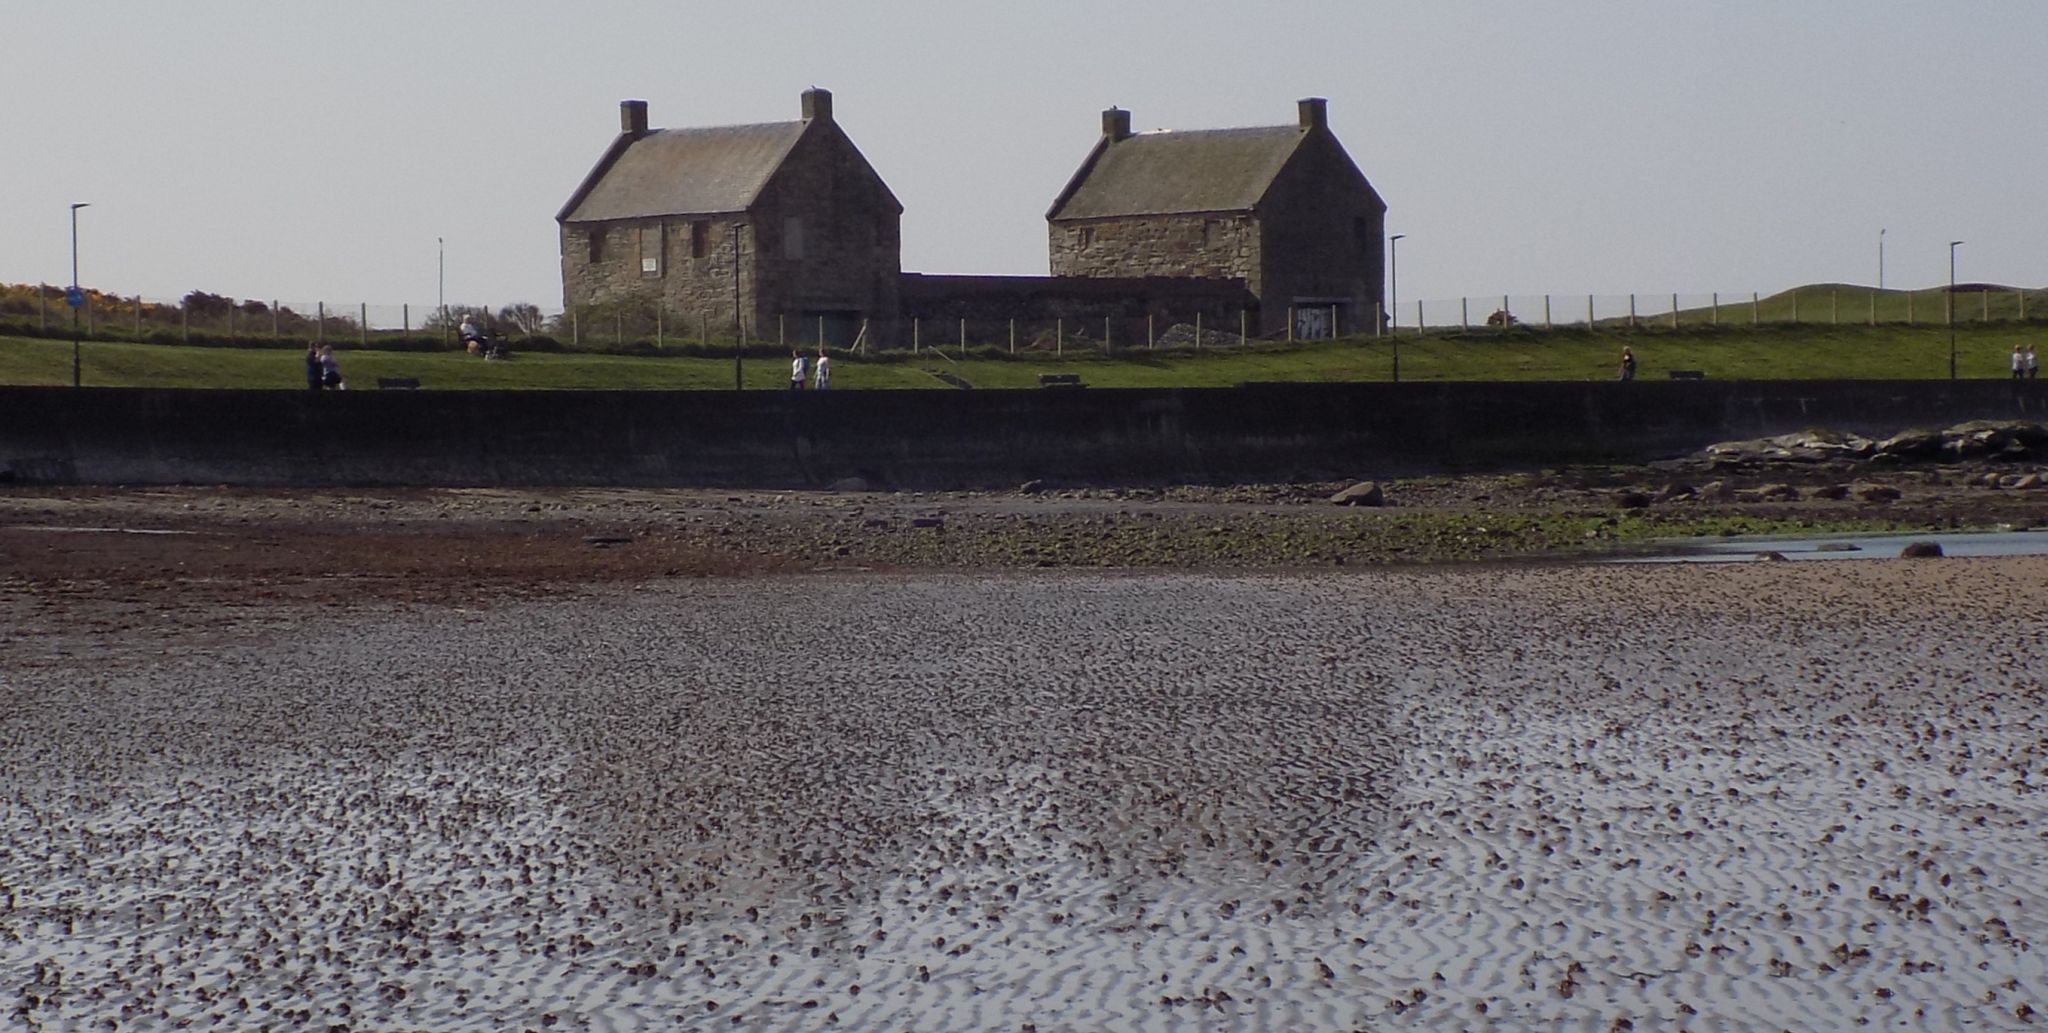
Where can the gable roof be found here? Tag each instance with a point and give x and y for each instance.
(683, 172)
(1163, 173)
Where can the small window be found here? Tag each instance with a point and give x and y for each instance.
(1087, 235)
(595, 235)
(699, 243)
(793, 237)
(650, 250)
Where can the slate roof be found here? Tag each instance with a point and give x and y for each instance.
(686, 172)
(1163, 173)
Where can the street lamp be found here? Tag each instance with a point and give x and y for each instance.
(1394, 296)
(1952, 245)
(75, 297)
(1880, 259)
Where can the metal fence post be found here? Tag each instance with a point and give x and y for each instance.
(1150, 340)
(1059, 340)
(185, 322)
(404, 319)
(821, 331)
(320, 322)
(2023, 303)
(1106, 346)
(1290, 326)
(1546, 312)
(363, 322)
(1464, 313)
(1909, 308)
(1419, 328)
(1674, 310)
(1013, 335)
(658, 327)
(1716, 304)
(1505, 315)
(1589, 312)
(138, 315)
(274, 324)
(1631, 312)
(963, 335)
(916, 333)
(1755, 316)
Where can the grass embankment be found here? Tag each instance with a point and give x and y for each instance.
(1722, 353)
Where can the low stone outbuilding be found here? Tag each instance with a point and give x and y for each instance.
(743, 222)
(1283, 209)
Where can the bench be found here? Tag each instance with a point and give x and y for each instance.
(1059, 380)
(1688, 374)
(387, 383)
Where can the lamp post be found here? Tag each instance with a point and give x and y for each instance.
(1880, 258)
(441, 283)
(1952, 245)
(1394, 296)
(75, 297)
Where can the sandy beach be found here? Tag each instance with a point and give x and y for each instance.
(1763, 796)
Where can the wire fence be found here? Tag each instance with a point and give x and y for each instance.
(201, 317)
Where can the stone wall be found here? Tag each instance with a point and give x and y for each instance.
(929, 439)
(1211, 246)
(696, 277)
(1323, 239)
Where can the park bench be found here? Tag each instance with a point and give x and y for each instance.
(388, 383)
(1059, 380)
(1688, 374)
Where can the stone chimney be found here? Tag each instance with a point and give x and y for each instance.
(633, 118)
(1315, 113)
(817, 105)
(1116, 124)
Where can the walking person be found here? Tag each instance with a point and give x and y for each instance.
(312, 366)
(796, 370)
(822, 377)
(1628, 364)
(2019, 362)
(2033, 363)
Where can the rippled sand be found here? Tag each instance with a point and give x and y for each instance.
(1769, 796)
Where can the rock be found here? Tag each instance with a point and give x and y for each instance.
(1831, 491)
(1838, 547)
(1364, 493)
(1921, 551)
(1876, 492)
(2029, 482)
(1676, 490)
(1633, 500)
(1911, 444)
(850, 484)
(1774, 557)
(1769, 493)
(1032, 487)
(928, 521)
(606, 541)
(1715, 490)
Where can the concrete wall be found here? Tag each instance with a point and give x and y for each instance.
(927, 438)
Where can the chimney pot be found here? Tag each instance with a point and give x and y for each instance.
(817, 105)
(1315, 113)
(633, 117)
(1116, 124)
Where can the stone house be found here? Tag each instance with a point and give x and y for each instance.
(744, 223)
(1283, 209)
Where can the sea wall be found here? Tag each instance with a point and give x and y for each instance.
(930, 439)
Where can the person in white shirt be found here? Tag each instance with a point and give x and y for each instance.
(2019, 362)
(2033, 363)
(796, 370)
(823, 377)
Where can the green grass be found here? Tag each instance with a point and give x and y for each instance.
(1723, 353)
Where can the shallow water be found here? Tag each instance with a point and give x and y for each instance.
(1768, 797)
(2033, 542)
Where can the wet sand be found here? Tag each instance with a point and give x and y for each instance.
(1766, 796)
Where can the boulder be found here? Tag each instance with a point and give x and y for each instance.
(1831, 491)
(1921, 551)
(1876, 492)
(1364, 493)
(1675, 491)
(2028, 482)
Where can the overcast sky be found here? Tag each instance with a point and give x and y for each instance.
(304, 151)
